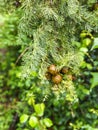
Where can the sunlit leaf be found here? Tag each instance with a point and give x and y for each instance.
(95, 79)
(33, 121)
(95, 45)
(31, 101)
(47, 122)
(39, 109)
(83, 49)
(24, 118)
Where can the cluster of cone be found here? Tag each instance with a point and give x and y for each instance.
(56, 76)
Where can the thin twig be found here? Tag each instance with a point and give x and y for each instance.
(21, 55)
(87, 54)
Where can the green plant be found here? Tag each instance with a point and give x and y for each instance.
(36, 120)
(33, 36)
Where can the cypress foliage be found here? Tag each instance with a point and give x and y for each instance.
(52, 27)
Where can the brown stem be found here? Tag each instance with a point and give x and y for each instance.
(21, 55)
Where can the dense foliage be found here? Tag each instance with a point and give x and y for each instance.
(49, 65)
